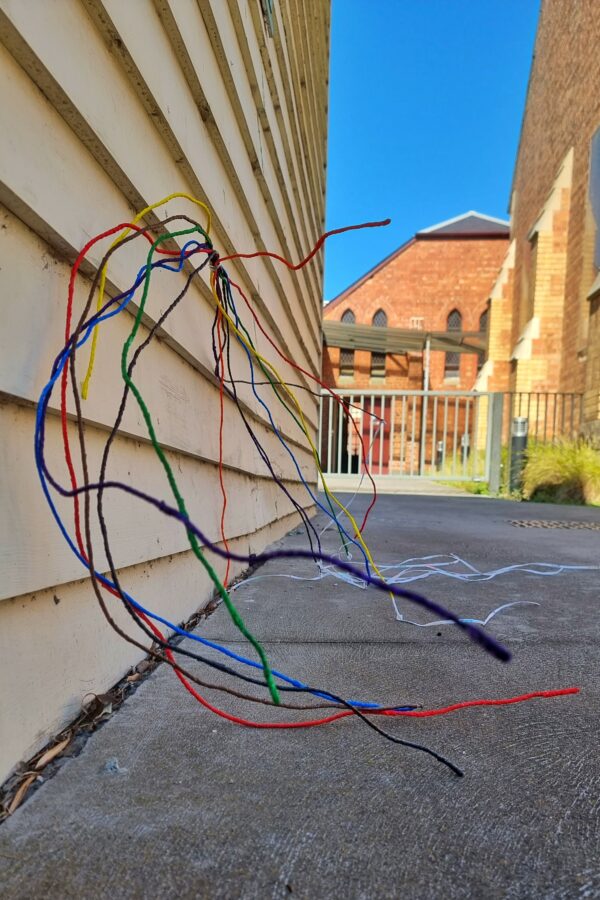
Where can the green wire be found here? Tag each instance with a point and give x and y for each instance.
(237, 619)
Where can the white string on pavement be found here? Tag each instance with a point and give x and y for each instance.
(448, 565)
(437, 622)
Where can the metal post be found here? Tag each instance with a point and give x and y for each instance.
(518, 445)
(426, 365)
(426, 362)
(465, 441)
(494, 441)
(439, 456)
(465, 445)
(412, 433)
(330, 416)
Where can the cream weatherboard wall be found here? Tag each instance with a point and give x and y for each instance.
(107, 106)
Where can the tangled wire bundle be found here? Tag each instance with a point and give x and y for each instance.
(189, 249)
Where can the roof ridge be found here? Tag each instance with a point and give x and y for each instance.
(466, 235)
(470, 213)
(369, 274)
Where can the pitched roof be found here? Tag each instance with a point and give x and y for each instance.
(356, 284)
(469, 223)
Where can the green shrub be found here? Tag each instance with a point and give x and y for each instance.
(563, 472)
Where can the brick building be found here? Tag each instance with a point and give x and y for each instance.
(544, 329)
(440, 280)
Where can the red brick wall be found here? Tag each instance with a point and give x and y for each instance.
(427, 278)
(562, 112)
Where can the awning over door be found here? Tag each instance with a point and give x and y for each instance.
(401, 340)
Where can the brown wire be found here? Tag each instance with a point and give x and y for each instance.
(160, 657)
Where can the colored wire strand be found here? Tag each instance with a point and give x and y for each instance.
(193, 540)
(195, 637)
(181, 513)
(223, 714)
(247, 346)
(296, 404)
(124, 232)
(377, 582)
(60, 362)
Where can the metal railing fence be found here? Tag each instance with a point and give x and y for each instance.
(447, 435)
(551, 414)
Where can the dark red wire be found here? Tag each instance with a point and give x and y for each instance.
(79, 538)
(337, 397)
(69, 461)
(315, 249)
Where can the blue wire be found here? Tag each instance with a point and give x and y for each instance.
(42, 406)
(281, 439)
(126, 298)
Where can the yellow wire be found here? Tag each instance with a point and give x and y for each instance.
(86, 382)
(251, 349)
(294, 400)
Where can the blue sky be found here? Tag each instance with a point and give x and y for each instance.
(425, 107)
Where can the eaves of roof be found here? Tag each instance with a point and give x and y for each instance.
(474, 236)
(420, 236)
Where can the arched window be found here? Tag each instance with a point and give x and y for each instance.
(379, 320)
(347, 356)
(452, 364)
(454, 322)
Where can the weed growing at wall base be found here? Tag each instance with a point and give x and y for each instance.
(562, 472)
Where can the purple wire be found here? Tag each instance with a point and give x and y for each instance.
(474, 632)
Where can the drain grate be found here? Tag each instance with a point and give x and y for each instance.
(549, 523)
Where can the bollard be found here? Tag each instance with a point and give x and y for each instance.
(439, 456)
(465, 444)
(518, 445)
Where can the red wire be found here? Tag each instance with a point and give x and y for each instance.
(295, 268)
(73, 477)
(314, 250)
(221, 418)
(228, 716)
(311, 723)
(63, 382)
(441, 711)
(65, 373)
(336, 396)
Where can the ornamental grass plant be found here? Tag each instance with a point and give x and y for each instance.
(562, 472)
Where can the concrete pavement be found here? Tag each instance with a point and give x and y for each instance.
(396, 484)
(197, 807)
